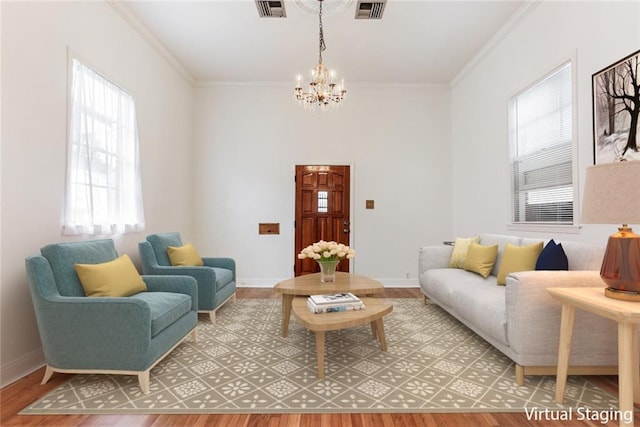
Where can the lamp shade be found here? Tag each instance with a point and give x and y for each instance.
(612, 194)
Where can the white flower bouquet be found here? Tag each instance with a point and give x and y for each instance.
(327, 251)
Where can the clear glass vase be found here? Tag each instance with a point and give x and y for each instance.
(328, 270)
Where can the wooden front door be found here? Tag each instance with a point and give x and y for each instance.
(322, 211)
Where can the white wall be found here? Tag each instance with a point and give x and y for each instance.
(597, 34)
(248, 139)
(35, 36)
(434, 161)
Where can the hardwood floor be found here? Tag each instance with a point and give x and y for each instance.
(18, 395)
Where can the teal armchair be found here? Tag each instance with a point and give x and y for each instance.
(216, 278)
(106, 335)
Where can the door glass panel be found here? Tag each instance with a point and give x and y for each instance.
(323, 202)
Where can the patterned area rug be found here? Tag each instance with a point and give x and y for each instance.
(242, 365)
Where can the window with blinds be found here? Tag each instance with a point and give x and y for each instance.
(542, 151)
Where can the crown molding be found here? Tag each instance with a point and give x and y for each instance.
(152, 40)
(511, 24)
(214, 83)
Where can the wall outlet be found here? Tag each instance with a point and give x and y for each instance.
(406, 275)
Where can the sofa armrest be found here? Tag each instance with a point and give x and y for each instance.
(177, 284)
(527, 289)
(430, 257)
(533, 315)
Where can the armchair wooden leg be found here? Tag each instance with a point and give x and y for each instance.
(48, 373)
(194, 335)
(212, 316)
(143, 380)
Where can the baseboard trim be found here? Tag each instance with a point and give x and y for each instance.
(21, 367)
(271, 282)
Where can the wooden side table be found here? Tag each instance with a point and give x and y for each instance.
(627, 314)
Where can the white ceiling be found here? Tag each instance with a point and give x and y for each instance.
(415, 42)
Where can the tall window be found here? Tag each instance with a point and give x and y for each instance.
(103, 190)
(541, 151)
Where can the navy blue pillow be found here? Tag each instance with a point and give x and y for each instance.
(552, 257)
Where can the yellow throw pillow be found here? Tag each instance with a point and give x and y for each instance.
(184, 255)
(460, 250)
(480, 259)
(518, 258)
(117, 278)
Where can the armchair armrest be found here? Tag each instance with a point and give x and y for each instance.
(178, 284)
(430, 257)
(85, 332)
(220, 262)
(204, 276)
(200, 273)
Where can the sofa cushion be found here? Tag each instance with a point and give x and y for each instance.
(552, 257)
(480, 259)
(184, 255)
(460, 250)
(484, 307)
(583, 256)
(518, 258)
(166, 308)
(117, 278)
(441, 283)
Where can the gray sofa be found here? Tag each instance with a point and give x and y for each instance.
(521, 319)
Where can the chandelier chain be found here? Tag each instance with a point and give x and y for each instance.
(323, 46)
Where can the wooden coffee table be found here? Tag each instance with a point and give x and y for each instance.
(310, 284)
(376, 309)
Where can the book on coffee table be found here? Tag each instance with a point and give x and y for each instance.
(341, 298)
(332, 308)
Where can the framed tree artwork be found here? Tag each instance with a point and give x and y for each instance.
(616, 110)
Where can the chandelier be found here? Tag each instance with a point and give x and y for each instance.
(323, 92)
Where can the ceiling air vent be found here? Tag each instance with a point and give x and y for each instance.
(271, 9)
(370, 9)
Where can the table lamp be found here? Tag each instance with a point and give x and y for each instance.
(612, 196)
